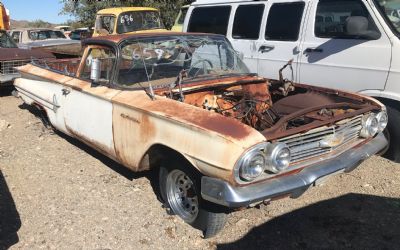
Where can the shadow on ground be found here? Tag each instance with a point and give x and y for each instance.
(354, 221)
(6, 91)
(9, 217)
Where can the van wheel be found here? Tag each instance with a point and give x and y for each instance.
(180, 190)
(392, 133)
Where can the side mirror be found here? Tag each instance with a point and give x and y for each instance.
(95, 70)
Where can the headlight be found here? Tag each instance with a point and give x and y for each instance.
(278, 157)
(273, 157)
(252, 167)
(382, 118)
(370, 125)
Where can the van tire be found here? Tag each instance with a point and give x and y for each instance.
(392, 134)
(210, 219)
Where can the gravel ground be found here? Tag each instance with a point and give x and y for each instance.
(56, 193)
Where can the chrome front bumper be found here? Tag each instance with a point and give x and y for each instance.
(221, 192)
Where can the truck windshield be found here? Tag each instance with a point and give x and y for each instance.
(391, 12)
(6, 41)
(138, 20)
(162, 60)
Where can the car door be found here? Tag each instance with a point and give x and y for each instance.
(344, 47)
(88, 111)
(280, 40)
(245, 32)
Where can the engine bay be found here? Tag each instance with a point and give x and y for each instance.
(274, 107)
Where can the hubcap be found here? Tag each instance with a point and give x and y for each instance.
(182, 196)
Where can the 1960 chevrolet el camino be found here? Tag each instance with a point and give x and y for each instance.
(220, 137)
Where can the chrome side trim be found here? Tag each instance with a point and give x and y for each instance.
(221, 192)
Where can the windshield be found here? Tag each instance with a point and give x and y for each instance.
(45, 34)
(161, 60)
(6, 41)
(391, 11)
(138, 20)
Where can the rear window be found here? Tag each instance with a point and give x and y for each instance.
(283, 23)
(210, 20)
(247, 21)
(45, 34)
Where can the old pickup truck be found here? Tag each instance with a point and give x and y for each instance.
(185, 105)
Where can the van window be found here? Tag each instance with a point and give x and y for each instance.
(247, 21)
(210, 20)
(347, 19)
(283, 23)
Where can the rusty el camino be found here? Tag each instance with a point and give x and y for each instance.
(186, 106)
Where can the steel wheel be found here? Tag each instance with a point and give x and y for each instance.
(182, 196)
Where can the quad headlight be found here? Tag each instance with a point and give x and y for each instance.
(382, 118)
(373, 123)
(278, 157)
(271, 157)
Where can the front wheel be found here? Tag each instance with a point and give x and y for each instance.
(392, 133)
(180, 190)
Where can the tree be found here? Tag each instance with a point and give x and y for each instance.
(40, 24)
(85, 10)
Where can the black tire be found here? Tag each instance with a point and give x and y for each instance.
(392, 133)
(210, 218)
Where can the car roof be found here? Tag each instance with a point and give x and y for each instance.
(119, 38)
(116, 11)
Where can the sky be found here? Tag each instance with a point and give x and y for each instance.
(30, 10)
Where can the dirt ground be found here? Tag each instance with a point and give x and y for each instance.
(56, 193)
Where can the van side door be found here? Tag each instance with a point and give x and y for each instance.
(281, 37)
(245, 31)
(345, 47)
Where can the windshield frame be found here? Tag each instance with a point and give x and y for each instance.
(386, 18)
(138, 86)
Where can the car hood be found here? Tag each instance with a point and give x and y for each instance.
(7, 54)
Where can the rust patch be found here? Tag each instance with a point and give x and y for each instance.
(184, 113)
(131, 129)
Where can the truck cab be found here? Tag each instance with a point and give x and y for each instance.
(345, 44)
(127, 20)
(4, 18)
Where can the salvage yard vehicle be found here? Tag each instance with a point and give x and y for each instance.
(345, 44)
(127, 20)
(4, 18)
(11, 56)
(221, 138)
(52, 40)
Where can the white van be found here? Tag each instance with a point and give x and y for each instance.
(345, 44)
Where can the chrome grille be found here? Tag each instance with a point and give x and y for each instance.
(7, 67)
(308, 145)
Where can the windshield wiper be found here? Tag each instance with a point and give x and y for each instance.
(178, 81)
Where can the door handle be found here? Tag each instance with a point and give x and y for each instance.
(266, 48)
(311, 50)
(65, 92)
